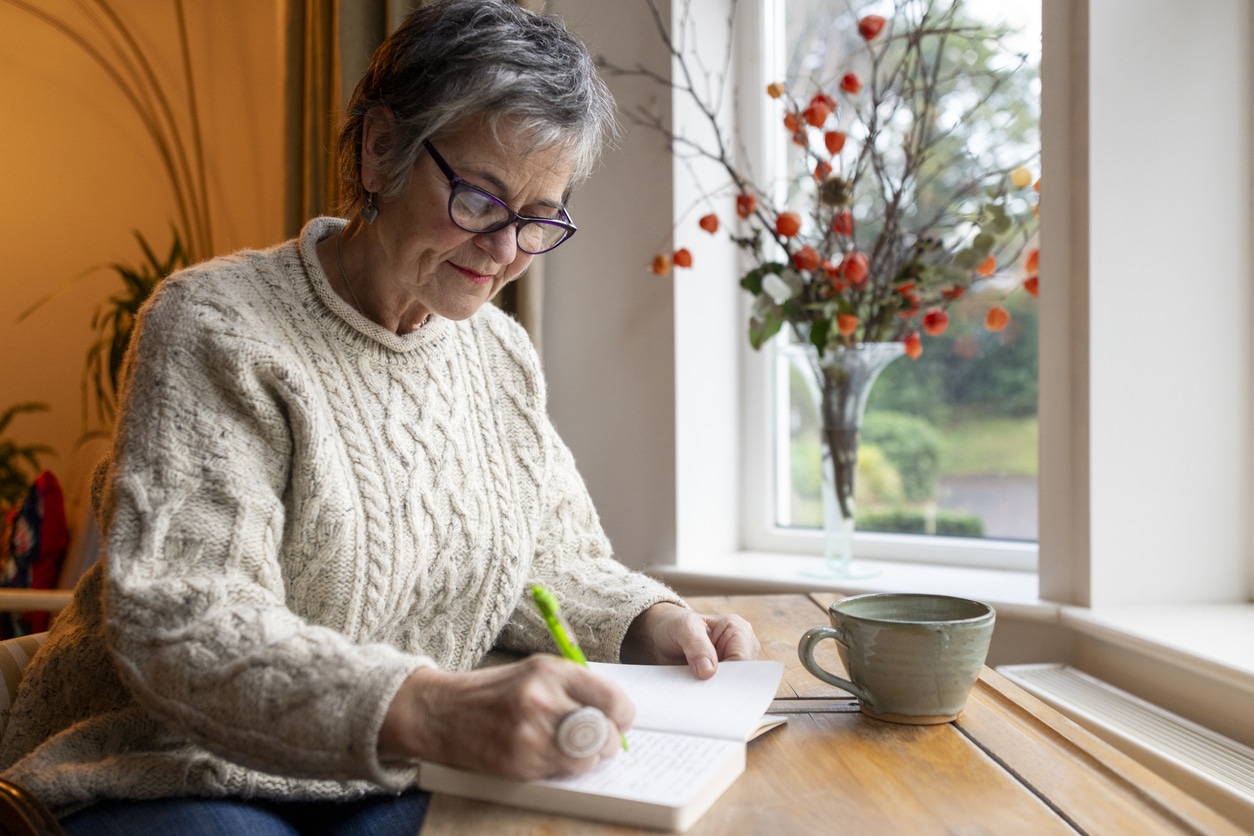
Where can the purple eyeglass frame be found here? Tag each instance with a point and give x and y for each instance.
(457, 184)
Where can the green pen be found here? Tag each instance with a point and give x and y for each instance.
(546, 602)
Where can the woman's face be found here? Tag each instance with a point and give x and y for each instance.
(426, 264)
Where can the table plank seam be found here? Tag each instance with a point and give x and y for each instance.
(1059, 731)
(1023, 781)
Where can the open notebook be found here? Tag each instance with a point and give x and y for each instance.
(686, 747)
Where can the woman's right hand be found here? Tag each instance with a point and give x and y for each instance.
(501, 720)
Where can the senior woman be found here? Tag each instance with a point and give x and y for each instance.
(333, 481)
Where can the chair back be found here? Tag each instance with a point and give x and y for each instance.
(15, 655)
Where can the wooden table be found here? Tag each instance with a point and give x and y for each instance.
(1009, 765)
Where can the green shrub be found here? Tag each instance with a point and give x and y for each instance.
(914, 521)
(954, 524)
(894, 521)
(911, 445)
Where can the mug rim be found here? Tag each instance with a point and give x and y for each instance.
(988, 614)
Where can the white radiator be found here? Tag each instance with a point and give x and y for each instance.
(1216, 770)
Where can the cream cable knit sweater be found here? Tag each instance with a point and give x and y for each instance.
(302, 508)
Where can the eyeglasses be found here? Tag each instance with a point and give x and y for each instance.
(476, 210)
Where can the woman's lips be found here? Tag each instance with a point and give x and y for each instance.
(473, 275)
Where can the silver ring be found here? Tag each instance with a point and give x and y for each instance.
(583, 732)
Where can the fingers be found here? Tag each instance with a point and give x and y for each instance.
(586, 691)
(586, 688)
(677, 634)
(708, 639)
(733, 638)
(689, 633)
(501, 720)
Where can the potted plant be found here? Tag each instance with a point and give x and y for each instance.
(18, 463)
(177, 138)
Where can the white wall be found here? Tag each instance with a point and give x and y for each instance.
(608, 322)
(1145, 290)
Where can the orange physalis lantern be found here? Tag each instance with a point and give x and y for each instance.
(870, 26)
(816, 113)
(788, 224)
(661, 264)
(835, 141)
(935, 321)
(914, 345)
(988, 268)
(709, 223)
(997, 318)
(846, 324)
(682, 258)
(1031, 286)
(851, 84)
(807, 258)
(842, 224)
(1032, 264)
(775, 90)
(854, 268)
(746, 205)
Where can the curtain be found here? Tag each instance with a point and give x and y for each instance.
(312, 100)
(329, 44)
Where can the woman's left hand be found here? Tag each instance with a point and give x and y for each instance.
(668, 634)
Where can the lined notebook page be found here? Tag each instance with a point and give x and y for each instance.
(658, 768)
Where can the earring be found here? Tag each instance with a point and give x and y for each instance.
(369, 212)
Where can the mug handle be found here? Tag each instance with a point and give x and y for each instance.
(805, 649)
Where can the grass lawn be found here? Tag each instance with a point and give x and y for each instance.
(997, 446)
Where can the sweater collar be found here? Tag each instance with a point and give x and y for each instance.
(352, 320)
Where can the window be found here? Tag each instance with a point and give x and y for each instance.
(1144, 328)
(950, 441)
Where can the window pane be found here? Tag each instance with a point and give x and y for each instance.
(949, 442)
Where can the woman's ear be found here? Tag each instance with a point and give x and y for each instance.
(374, 141)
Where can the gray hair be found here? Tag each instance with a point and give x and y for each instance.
(454, 62)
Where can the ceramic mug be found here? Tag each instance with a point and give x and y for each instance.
(912, 658)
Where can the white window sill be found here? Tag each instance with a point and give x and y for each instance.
(1012, 592)
(1210, 639)
(1213, 640)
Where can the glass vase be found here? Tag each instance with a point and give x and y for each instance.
(844, 377)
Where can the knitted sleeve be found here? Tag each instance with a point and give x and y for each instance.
(194, 594)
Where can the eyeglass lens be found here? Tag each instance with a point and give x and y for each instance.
(475, 210)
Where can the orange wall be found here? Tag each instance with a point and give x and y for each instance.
(80, 175)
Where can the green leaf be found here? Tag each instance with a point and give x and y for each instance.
(983, 244)
(762, 330)
(752, 280)
(819, 329)
(31, 406)
(968, 259)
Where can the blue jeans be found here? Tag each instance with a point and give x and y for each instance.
(381, 815)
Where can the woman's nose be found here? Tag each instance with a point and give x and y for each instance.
(502, 245)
